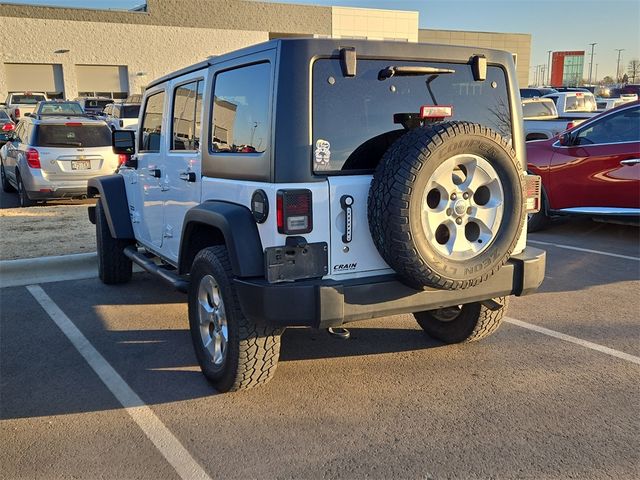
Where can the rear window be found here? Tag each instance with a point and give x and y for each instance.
(353, 117)
(97, 104)
(129, 111)
(72, 136)
(70, 108)
(27, 99)
(580, 102)
(4, 116)
(539, 109)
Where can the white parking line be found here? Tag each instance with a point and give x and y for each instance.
(587, 250)
(168, 445)
(578, 341)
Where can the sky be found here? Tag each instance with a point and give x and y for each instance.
(554, 24)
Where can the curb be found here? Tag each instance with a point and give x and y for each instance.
(15, 273)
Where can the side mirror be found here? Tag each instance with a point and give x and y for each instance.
(565, 139)
(123, 142)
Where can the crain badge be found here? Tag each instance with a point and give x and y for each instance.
(323, 152)
(345, 267)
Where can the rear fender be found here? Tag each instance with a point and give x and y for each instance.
(216, 223)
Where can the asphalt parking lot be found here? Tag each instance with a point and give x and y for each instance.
(388, 403)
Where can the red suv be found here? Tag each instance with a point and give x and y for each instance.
(592, 169)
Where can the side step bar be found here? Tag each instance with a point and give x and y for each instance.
(173, 279)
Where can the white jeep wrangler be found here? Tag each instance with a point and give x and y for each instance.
(315, 182)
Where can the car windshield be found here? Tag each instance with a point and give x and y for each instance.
(73, 134)
(27, 99)
(62, 108)
(539, 109)
(353, 118)
(130, 111)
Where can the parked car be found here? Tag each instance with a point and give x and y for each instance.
(541, 121)
(6, 126)
(20, 103)
(394, 206)
(50, 157)
(93, 105)
(533, 92)
(573, 89)
(631, 88)
(122, 115)
(592, 169)
(58, 107)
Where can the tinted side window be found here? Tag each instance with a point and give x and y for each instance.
(241, 110)
(151, 131)
(187, 103)
(619, 127)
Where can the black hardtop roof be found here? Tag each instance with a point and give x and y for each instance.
(364, 48)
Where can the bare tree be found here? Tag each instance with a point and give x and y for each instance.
(633, 69)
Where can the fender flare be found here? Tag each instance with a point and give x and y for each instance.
(113, 196)
(239, 232)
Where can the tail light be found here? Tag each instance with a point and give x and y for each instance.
(294, 211)
(533, 189)
(8, 127)
(122, 158)
(73, 124)
(33, 158)
(16, 113)
(570, 125)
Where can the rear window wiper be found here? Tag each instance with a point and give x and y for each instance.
(411, 71)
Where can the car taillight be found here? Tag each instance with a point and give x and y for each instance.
(8, 127)
(533, 188)
(570, 125)
(122, 158)
(16, 113)
(33, 158)
(73, 124)
(294, 211)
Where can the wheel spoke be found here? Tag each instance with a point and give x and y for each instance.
(218, 354)
(434, 218)
(476, 178)
(485, 217)
(457, 242)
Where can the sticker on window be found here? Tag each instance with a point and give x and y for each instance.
(323, 152)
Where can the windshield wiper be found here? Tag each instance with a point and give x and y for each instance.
(411, 71)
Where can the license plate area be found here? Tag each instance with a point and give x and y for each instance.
(297, 262)
(80, 164)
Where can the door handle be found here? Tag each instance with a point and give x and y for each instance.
(188, 176)
(630, 161)
(155, 172)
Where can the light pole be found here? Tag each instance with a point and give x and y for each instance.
(618, 64)
(549, 67)
(591, 62)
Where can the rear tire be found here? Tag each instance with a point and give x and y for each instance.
(6, 186)
(23, 196)
(461, 324)
(114, 266)
(234, 352)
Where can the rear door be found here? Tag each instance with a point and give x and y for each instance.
(74, 150)
(353, 126)
(603, 168)
(151, 179)
(182, 168)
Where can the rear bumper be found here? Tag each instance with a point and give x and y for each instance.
(328, 303)
(40, 188)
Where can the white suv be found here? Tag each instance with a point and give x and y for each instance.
(315, 182)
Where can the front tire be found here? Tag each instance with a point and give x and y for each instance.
(114, 266)
(464, 323)
(234, 352)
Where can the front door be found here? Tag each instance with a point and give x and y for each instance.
(183, 160)
(151, 177)
(602, 168)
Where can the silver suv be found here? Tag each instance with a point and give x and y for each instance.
(49, 157)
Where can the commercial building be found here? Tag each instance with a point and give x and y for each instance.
(567, 68)
(68, 52)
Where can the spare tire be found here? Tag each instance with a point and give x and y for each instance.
(446, 205)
